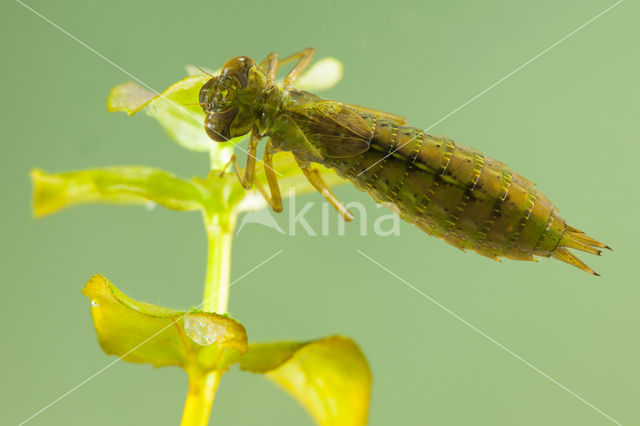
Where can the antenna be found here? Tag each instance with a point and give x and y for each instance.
(204, 72)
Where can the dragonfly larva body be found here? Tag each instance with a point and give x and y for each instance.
(456, 193)
(446, 189)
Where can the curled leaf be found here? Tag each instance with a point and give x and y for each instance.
(143, 333)
(330, 377)
(124, 185)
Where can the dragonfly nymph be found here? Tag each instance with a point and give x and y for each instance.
(448, 190)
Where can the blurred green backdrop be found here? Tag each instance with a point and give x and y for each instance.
(568, 121)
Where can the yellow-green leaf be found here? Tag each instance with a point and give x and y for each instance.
(128, 97)
(140, 185)
(330, 377)
(178, 112)
(124, 185)
(143, 333)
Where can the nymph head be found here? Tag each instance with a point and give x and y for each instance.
(224, 101)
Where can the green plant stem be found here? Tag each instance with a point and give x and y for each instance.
(202, 387)
(202, 390)
(219, 228)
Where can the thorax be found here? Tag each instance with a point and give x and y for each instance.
(285, 134)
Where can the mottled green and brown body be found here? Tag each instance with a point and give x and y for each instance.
(458, 194)
(448, 190)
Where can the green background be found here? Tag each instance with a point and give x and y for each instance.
(568, 121)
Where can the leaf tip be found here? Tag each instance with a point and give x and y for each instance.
(128, 97)
(46, 193)
(96, 285)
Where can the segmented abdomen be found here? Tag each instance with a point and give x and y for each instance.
(456, 193)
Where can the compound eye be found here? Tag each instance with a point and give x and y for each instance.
(206, 96)
(220, 101)
(217, 124)
(225, 94)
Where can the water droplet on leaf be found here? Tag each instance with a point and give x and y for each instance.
(203, 330)
(94, 303)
